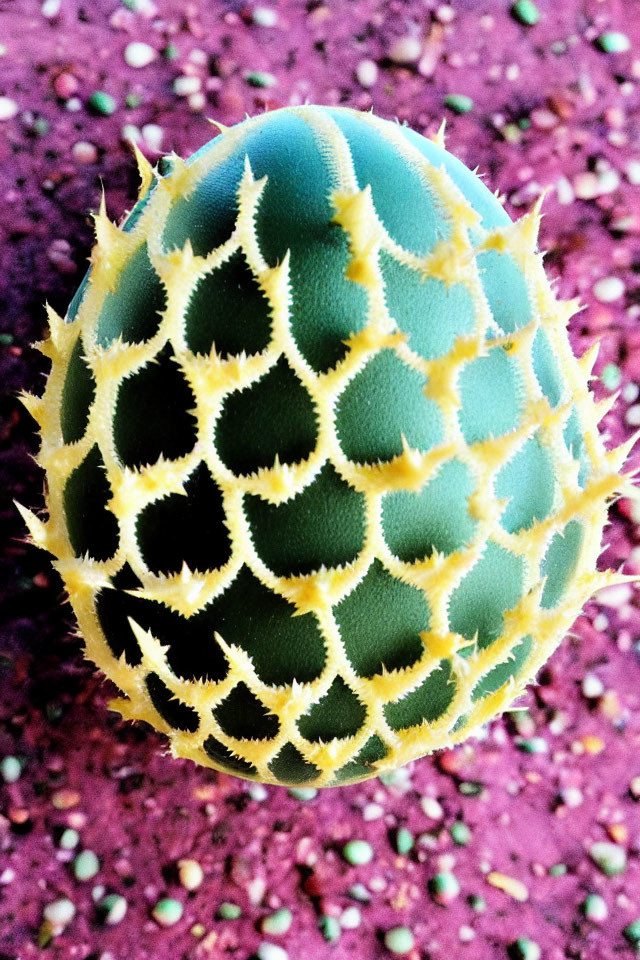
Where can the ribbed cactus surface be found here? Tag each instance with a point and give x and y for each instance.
(325, 484)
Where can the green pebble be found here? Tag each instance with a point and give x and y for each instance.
(330, 928)
(525, 12)
(167, 911)
(609, 857)
(170, 52)
(470, 788)
(357, 852)
(512, 133)
(399, 940)
(611, 376)
(102, 103)
(6, 339)
(594, 908)
(458, 102)
(112, 909)
(404, 841)
(229, 911)
(631, 932)
(532, 745)
(86, 865)
(558, 870)
(477, 903)
(444, 887)
(360, 893)
(45, 935)
(69, 839)
(132, 100)
(260, 78)
(612, 41)
(10, 769)
(277, 922)
(525, 949)
(460, 833)
(303, 793)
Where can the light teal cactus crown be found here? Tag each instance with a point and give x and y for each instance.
(325, 483)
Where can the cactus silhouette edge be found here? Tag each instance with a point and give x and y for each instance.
(324, 478)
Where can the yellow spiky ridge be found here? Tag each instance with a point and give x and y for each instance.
(212, 378)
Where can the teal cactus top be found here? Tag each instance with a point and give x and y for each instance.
(325, 482)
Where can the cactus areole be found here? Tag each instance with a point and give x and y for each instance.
(324, 478)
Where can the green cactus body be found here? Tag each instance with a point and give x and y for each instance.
(325, 482)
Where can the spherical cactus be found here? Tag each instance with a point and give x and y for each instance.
(325, 483)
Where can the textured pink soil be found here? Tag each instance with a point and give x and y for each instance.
(549, 110)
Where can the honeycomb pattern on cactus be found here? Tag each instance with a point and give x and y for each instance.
(325, 483)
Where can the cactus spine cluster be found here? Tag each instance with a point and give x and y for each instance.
(325, 482)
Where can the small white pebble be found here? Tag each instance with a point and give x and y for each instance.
(466, 934)
(185, 86)
(139, 55)
(592, 686)
(50, 8)
(153, 136)
(367, 73)
(431, 808)
(73, 104)
(543, 119)
(372, 811)
(130, 133)
(445, 14)
(84, 152)
(377, 884)
(405, 50)
(632, 416)
(190, 874)
(270, 951)
(572, 797)
(196, 102)
(59, 913)
(564, 191)
(350, 918)
(608, 181)
(558, 723)
(586, 186)
(600, 622)
(608, 289)
(256, 889)
(8, 108)
(632, 172)
(199, 57)
(616, 596)
(265, 17)
(257, 792)
(630, 392)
